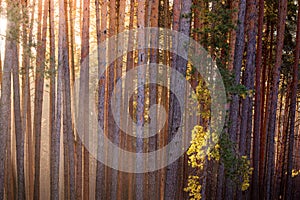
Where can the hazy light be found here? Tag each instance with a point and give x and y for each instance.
(2, 34)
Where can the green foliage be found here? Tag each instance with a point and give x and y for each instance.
(237, 167)
(218, 24)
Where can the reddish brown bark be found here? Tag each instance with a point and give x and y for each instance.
(293, 105)
(258, 113)
(274, 97)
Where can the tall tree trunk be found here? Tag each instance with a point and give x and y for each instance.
(25, 91)
(78, 139)
(169, 186)
(263, 138)
(274, 96)
(111, 175)
(280, 177)
(71, 32)
(39, 93)
(128, 101)
(78, 166)
(119, 98)
(234, 4)
(293, 105)
(65, 130)
(52, 122)
(30, 143)
(164, 100)
(84, 102)
(10, 170)
(258, 113)
(84, 93)
(55, 151)
(175, 114)
(5, 107)
(248, 74)
(153, 70)
(234, 106)
(65, 150)
(101, 27)
(67, 110)
(17, 115)
(246, 111)
(140, 99)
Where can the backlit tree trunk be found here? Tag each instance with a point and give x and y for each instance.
(68, 111)
(39, 92)
(17, 113)
(5, 107)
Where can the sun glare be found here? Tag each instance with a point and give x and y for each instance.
(2, 33)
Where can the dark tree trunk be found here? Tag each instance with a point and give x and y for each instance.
(17, 117)
(39, 92)
(274, 97)
(293, 105)
(257, 112)
(234, 106)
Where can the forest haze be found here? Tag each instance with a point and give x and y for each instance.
(149, 99)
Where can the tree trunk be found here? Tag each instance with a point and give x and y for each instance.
(119, 99)
(30, 143)
(52, 122)
(153, 70)
(175, 113)
(140, 99)
(25, 104)
(293, 105)
(68, 111)
(5, 106)
(164, 100)
(234, 106)
(274, 96)
(55, 150)
(263, 139)
(39, 92)
(101, 27)
(84, 94)
(17, 116)
(234, 4)
(128, 101)
(258, 113)
(112, 174)
(65, 130)
(248, 76)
